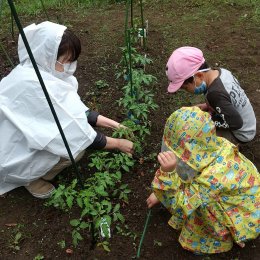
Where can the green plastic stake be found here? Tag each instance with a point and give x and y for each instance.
(143, 234)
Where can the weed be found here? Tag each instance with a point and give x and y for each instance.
(105, 245)
(157, 243)
(100, 84)
(38, 257)
(125, 231)
(62, 244)
(16, 237)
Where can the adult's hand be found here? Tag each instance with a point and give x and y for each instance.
(123, 145)
(126, 146)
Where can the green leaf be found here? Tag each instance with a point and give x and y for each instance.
(108, 204)
(69, 201)
(78, 236)
(116, 208)
(18, 237)
(115, 217)
(84, 225)
(75, 222)
(120, 217)
(84, 212)
(125, 167)
(100, 190)
(80, 202)
(106, 248)
(93, 212)
(123, 186)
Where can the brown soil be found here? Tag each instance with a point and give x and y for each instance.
(228, 37)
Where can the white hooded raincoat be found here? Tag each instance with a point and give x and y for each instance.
(30, 140)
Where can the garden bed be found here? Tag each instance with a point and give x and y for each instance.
(229, 36)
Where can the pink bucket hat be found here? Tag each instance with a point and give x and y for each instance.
(182, 64)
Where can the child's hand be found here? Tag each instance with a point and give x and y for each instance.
(167, 160)
(203, 107)
(152, 200)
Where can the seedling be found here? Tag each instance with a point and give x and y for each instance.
(157, 243)
(125, 231)
(101, 84)
(16, 237)
(16, 240)
(96, 201)
(62, 244)
(38, 257)
(105, 245)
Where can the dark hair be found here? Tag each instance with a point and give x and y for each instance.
(190, 79)
(70, 45)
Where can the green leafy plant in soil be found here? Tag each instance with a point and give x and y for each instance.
(103, 193)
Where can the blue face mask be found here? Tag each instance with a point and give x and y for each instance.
(201, 89)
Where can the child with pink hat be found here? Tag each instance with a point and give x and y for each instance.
(225, 99)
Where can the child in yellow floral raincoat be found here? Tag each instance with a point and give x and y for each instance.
(211, 190)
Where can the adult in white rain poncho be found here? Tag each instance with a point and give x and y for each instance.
(31, 148)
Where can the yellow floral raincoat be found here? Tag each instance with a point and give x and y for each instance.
(220, 204)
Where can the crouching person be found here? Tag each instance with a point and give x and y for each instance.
(211, 190)
(32, 151)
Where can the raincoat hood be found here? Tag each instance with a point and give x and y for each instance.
(31, 143)
(219, 204)
(191, 135)
(44, 40)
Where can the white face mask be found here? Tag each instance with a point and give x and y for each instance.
(68, 70)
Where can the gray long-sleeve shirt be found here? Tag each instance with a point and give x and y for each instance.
(232, 107)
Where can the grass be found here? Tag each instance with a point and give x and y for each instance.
(29, 7)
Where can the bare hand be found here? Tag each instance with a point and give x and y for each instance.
(167, 161)
(152, 200)
(203, 107)
(126, 146)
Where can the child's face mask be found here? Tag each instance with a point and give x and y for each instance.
(201, 89)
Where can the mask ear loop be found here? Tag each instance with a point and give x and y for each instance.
(202, 70)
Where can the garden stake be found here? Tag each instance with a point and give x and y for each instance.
(132, 21)
(142, 19)
(130, 61)
(126, 21)
(143, 234)
(19, 25)
(126, 26)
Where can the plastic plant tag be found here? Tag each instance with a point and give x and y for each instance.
(146, 25)
(104, 228)
(141, 33)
